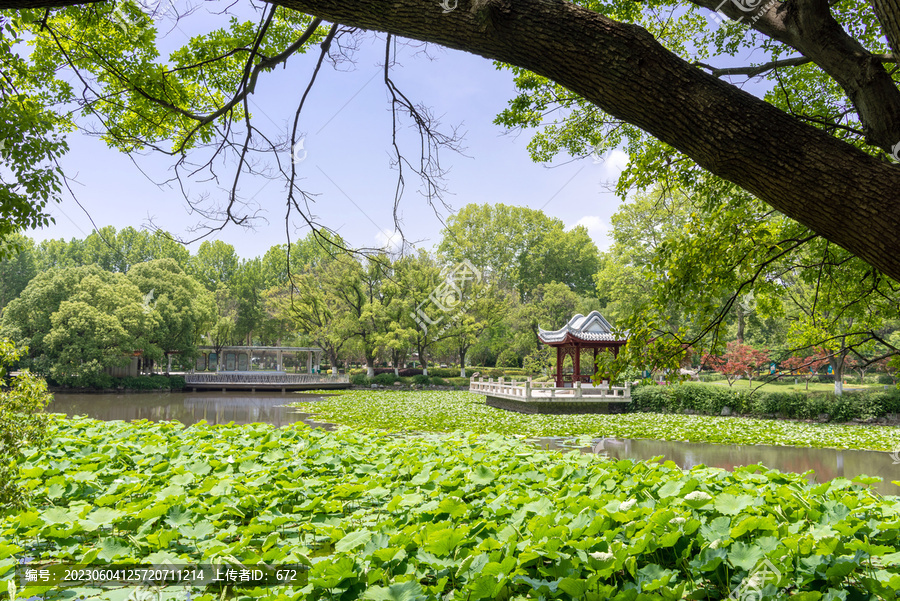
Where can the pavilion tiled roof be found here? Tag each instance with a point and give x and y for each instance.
(592, 327)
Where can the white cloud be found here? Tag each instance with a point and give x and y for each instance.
(597, 228)
(389, 240)
(613, 163)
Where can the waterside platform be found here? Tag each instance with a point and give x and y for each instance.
(545, 397)
(254, 381)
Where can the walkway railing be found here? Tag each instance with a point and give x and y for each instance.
(271, 379)
(528, 390)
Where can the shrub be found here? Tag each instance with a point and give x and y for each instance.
(385, 379)
(885, 379)
(444, 372)
(359, 379)
(463, 382)
(23, 423)
(408, 373)
(421, 380)
(650, 398)
(794, 405)
(788, 404)
(149, 383)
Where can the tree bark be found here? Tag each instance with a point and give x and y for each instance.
(888, 13)
(463, 350)
(836, 190)
(810, 28)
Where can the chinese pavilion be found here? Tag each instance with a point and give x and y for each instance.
(591, 332)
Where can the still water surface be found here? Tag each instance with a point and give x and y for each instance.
(188, 407)
(244, 408)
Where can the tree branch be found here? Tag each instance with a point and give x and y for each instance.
(756, 70)
(888, 13)
(809, 27)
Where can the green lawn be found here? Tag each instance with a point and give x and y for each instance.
(789, 386)
(446, 411)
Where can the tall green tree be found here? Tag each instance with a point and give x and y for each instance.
(99, 325)
(17, 267)
(179, 309)
(481, 314)
(26, 319)
(57, 253)
(215, 264)
(520, 248)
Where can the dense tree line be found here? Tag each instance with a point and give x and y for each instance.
(82, 305)
(678, 274)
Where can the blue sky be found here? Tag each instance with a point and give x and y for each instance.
(347, 126)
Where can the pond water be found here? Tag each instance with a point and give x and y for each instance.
(827, 463)
(188, 407)
(245, 408)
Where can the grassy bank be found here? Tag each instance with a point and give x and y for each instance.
(786, 385)
(439, 517)
(428, 411)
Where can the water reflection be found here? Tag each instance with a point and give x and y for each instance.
(826, 463)
(188, 408)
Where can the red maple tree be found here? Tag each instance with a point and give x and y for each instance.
(738, 360)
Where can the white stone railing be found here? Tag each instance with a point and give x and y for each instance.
(528, 390)
(272, 379)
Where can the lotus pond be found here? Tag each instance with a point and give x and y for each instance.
(427, 411)
(377, 516)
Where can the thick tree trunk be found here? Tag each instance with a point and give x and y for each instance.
(423, 358)
(845, 195)
(888, 13)
(462, 361)
(332, 358)
(837, 366)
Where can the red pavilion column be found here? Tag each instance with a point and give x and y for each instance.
(576, 375)
(559, 361)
